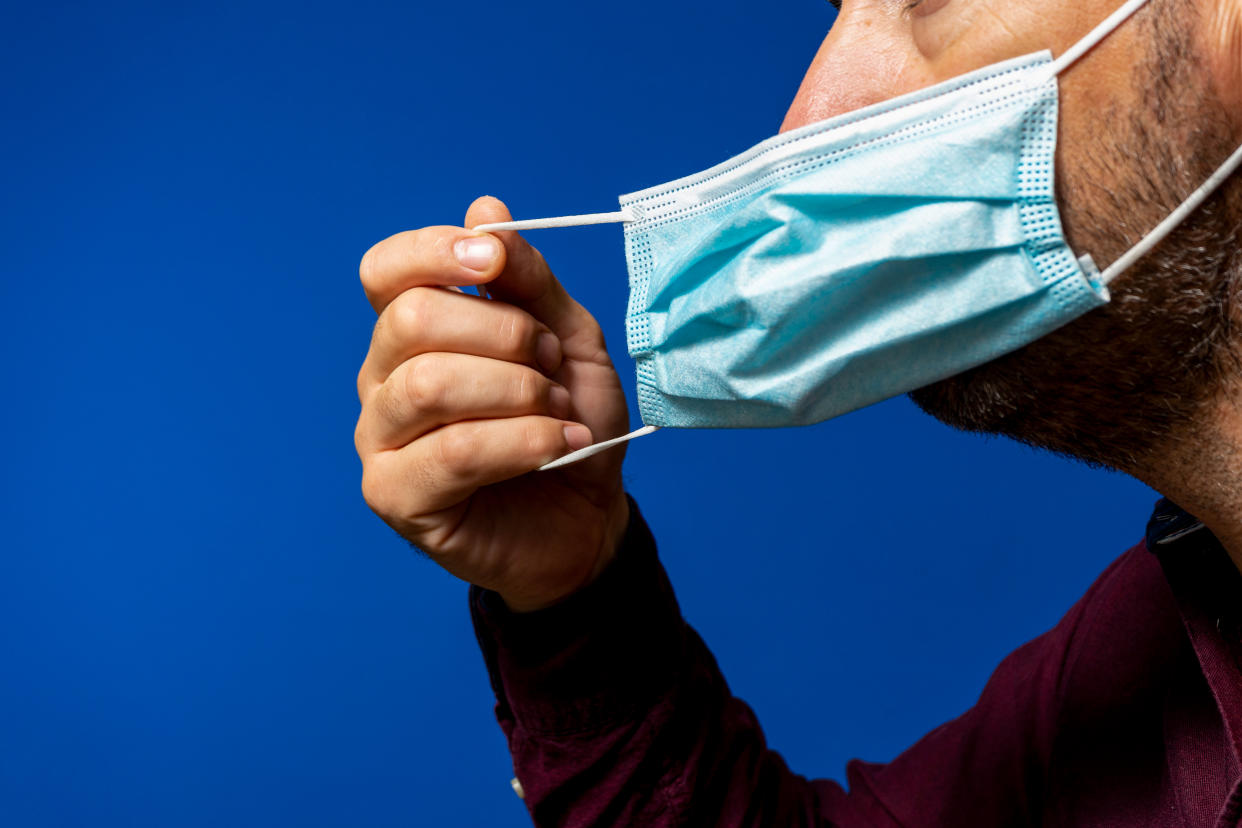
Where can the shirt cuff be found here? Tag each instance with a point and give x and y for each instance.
(600, 657)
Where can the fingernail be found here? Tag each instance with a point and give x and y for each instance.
(578, 436)
(476, 253)
(548, 352)
(558, 401)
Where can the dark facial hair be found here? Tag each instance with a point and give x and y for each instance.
(1115, 386)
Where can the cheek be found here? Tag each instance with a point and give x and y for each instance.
(940, 29)
(958, 36)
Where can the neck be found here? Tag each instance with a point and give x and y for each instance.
(1202, 473)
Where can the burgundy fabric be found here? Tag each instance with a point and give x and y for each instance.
(1127, 713)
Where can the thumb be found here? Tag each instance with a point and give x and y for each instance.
(527, 281)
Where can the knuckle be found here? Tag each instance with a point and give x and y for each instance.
(458, 450)
(424, 387)
(391, 407)
(525, 390)
(541, 438)
(517, 335)
(375, 490)
(409, 313)
(366, 269)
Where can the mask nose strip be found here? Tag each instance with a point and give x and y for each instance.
(591, 451)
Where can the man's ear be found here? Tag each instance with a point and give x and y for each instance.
(1222, 38)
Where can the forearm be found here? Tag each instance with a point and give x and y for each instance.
(616, 713)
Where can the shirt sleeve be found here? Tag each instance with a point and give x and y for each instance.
(617, 715)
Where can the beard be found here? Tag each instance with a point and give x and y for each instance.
(1119, 385)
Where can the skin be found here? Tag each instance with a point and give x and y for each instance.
(461, 403)
(464, 397)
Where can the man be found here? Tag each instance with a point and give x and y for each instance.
(1129, 712)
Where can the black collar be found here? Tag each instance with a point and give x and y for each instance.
(1169, 524)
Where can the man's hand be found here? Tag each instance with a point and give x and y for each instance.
(464, 397)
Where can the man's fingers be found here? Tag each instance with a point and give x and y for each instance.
(448, 465)
(526, 281)
(429, 320)
(433, 390)
(430, 256)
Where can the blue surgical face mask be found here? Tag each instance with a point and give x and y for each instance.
(858, 258)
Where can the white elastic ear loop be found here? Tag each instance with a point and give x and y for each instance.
(591, 451)
(1196, 199)
(1164, 228)
(1097, 34)
(627, 215)
(1088, 42)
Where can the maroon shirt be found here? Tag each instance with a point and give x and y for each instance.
(1128, 712)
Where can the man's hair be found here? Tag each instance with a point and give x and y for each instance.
(1113, 387)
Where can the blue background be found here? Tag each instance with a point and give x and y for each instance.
(201, 623)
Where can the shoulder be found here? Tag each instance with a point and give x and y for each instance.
(1121, 640)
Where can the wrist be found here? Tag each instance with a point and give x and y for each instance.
(592, 660)
(614, 521)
